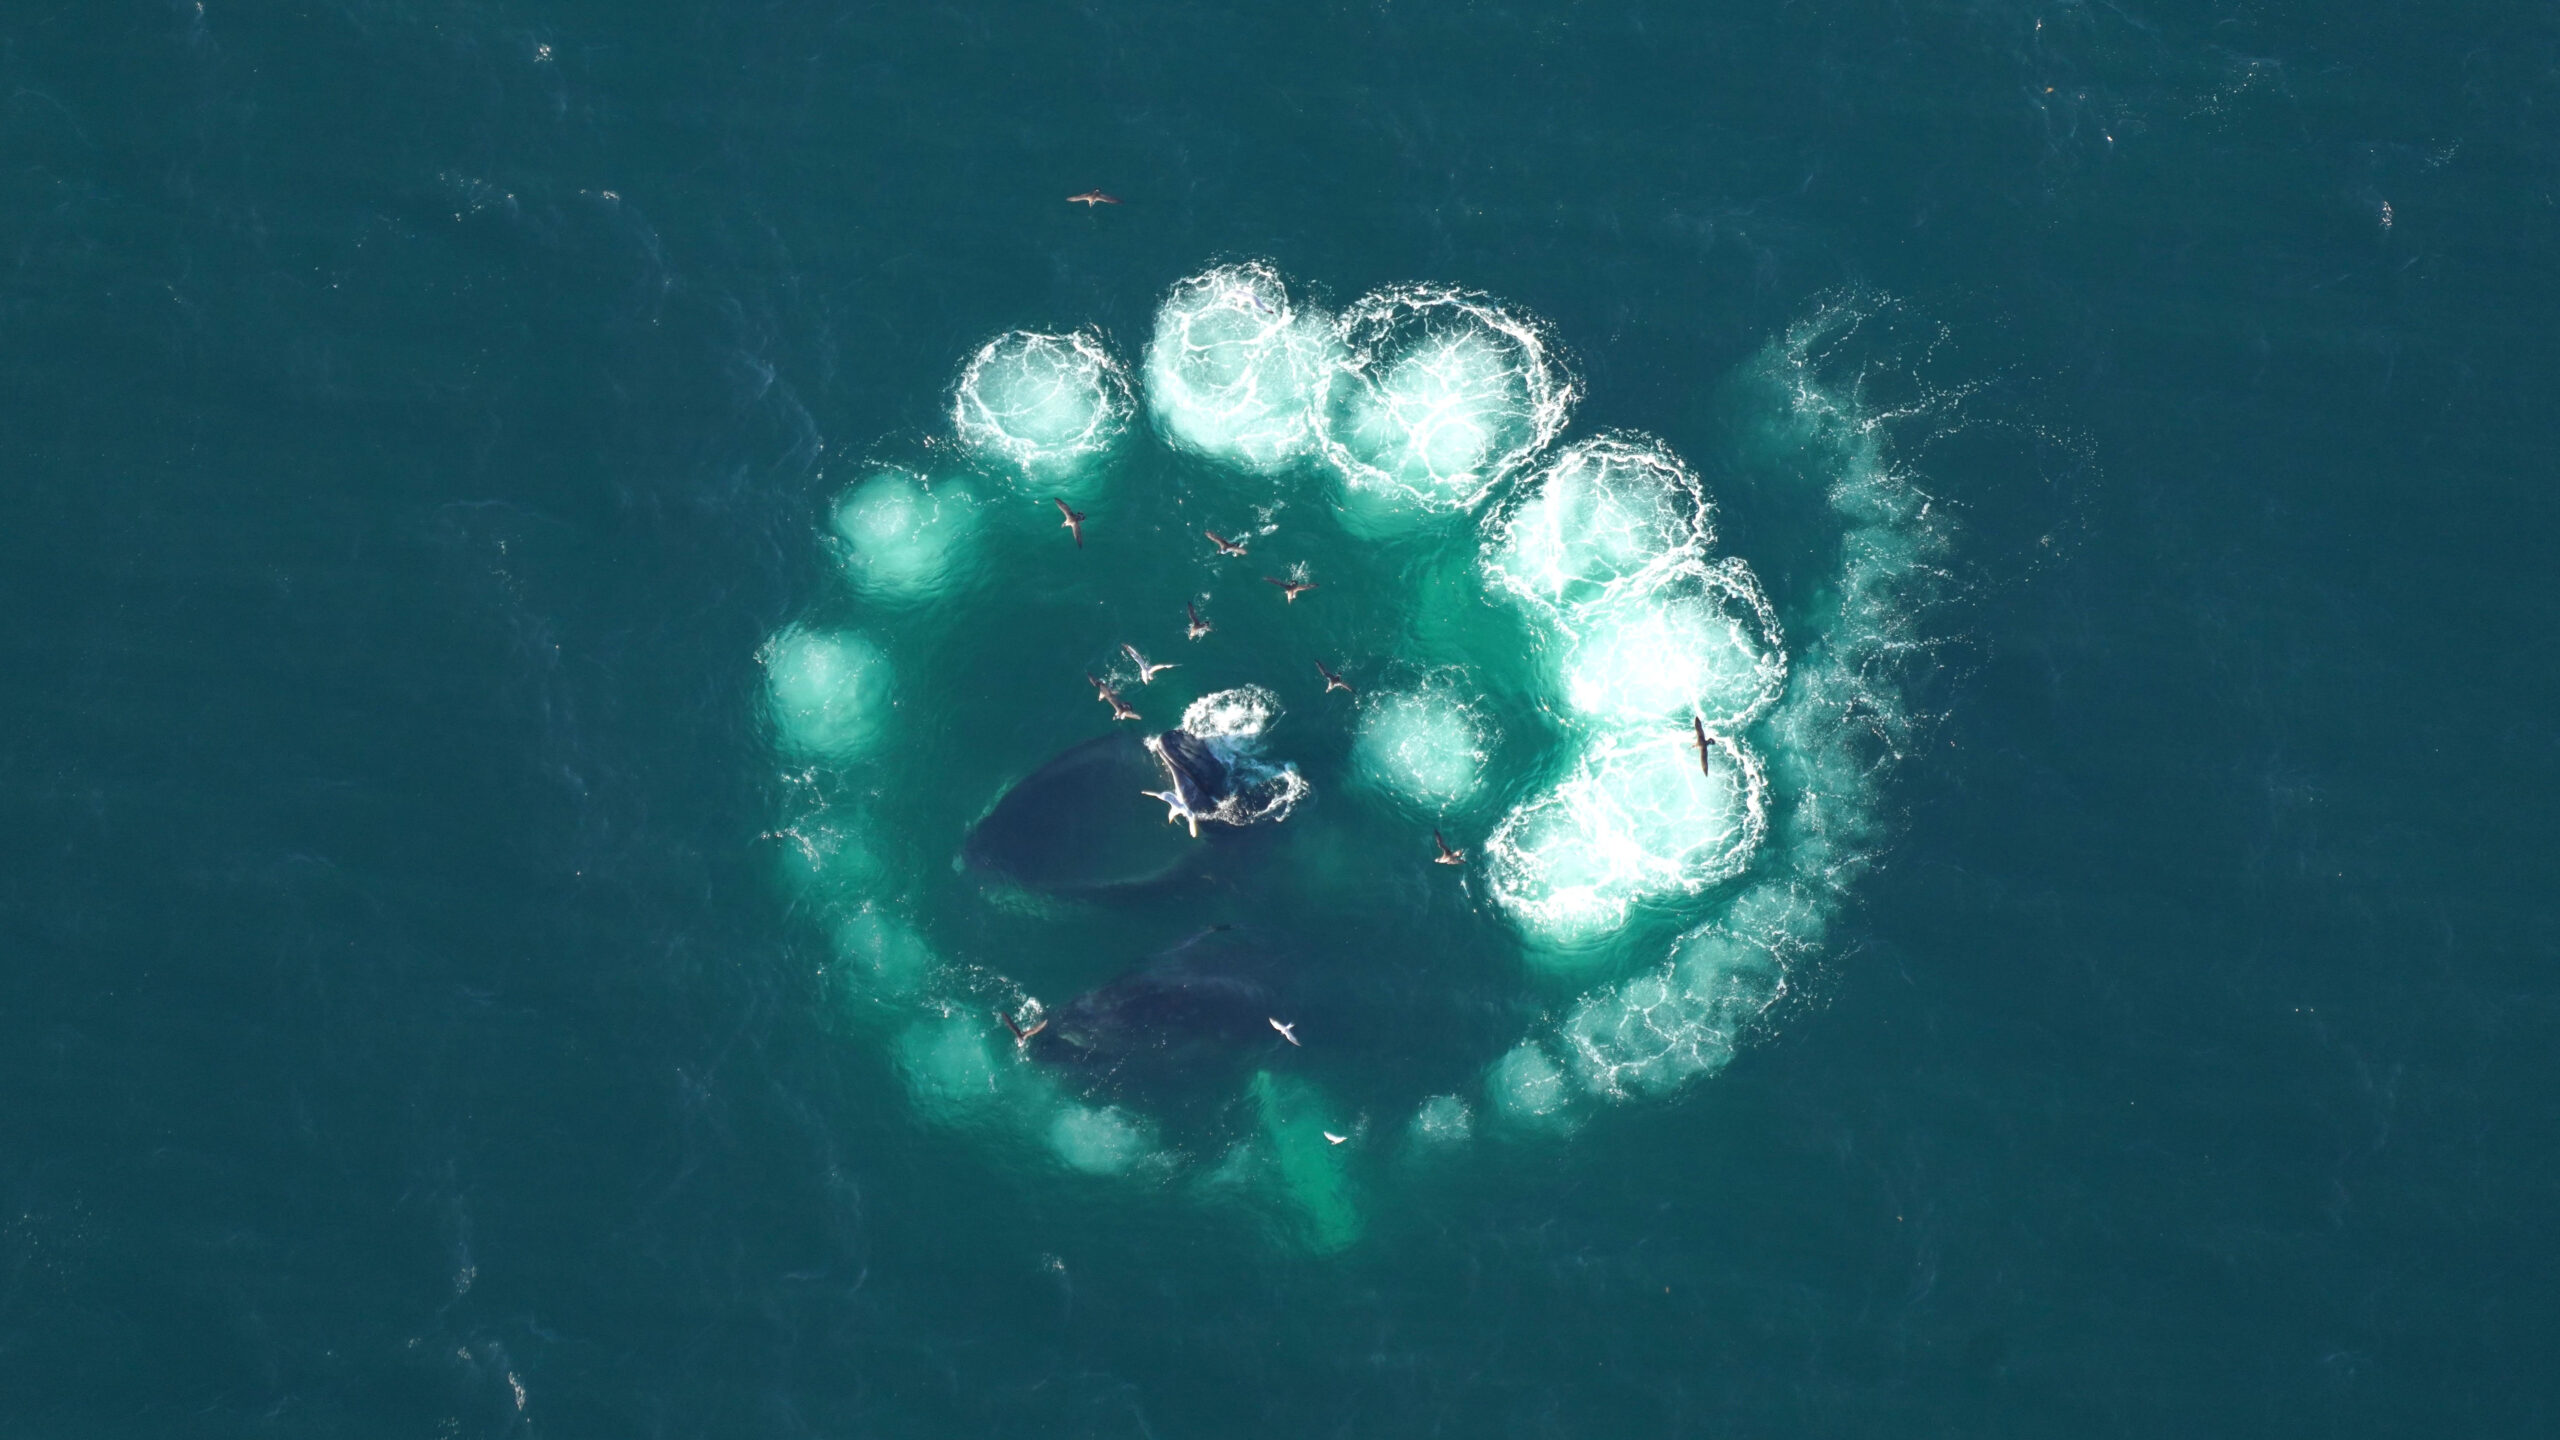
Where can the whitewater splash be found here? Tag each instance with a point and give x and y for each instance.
(1420, 404)
(1046, 403)
(1438, 395)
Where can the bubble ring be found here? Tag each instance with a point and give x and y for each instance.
(1642, 1034)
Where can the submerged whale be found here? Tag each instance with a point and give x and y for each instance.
(1088, 821)
(1207, 1001)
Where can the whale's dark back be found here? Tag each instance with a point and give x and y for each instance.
(1207, 1001)
(1081, 824)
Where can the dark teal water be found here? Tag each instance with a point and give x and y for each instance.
(417, 418)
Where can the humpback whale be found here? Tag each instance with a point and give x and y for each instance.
(1205, 1002)
(1077, 824)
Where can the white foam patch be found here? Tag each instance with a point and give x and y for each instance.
(829, 690)
(1651, 1034)
(885, 952)
(901, 538)
(1438, 395)
(1045, 402)
(1444, 1120)
(1635, 821)
(1099, 1140)
(1702, 641)
(1239, 716)
(1234, 366)
(950, 1066)
(1610, 514)
(1424, 746)
(1527, 1087)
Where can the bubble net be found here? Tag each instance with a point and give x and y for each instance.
(1736, 863)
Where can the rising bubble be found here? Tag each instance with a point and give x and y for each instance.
(1635, 821)
(829, 690)
(1610, 514)
(1425, 746)
(1702, 641)
(1438, 395)
(1233, 368)
(1047, 403)
(902, 538)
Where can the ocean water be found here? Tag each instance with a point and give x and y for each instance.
(530, 539)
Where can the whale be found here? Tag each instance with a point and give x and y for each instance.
(1094, 819)
(1205, 1003)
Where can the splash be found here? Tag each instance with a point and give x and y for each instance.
(1233, 369)
(1046, 403)
(1701, 641)
(1438, 395)
(1637, 820)
(1609, 514)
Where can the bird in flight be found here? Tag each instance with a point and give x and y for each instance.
(1706, 766)
(1331, 1138)
(1074, 523)
(1288, 1032)
(1225, 545)
(1446, 856)
(1199, 627)
(1020, 1035)
(1290, 590)
(1333, 682)
(1146, 673)
(1176, 808)
(1091, 198)
(1111, 697)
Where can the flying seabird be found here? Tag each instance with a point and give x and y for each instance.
(1446, 856)
(1290, 590)
(1288, 1032)
(1331, 1138)
(1146, 673)
(1333, 682)
(1020, 1035)
(1199, 627)
(1074, 521)
(1225, 545)
(1699, 725)
(1176, 808)
(1091, 198)
(1110, 697)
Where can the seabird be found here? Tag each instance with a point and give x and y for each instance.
(1331, 1138)
(1446, 856)
(1199, 627)
(1225, 545)
(1091, 198)
(1333, 682)
(1110, 697)
(1176, 808)
(1020, 1035)
(1290, 590)
(1146, 673)
(1074, 521)
(1699, 724)
(1288, 1032)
